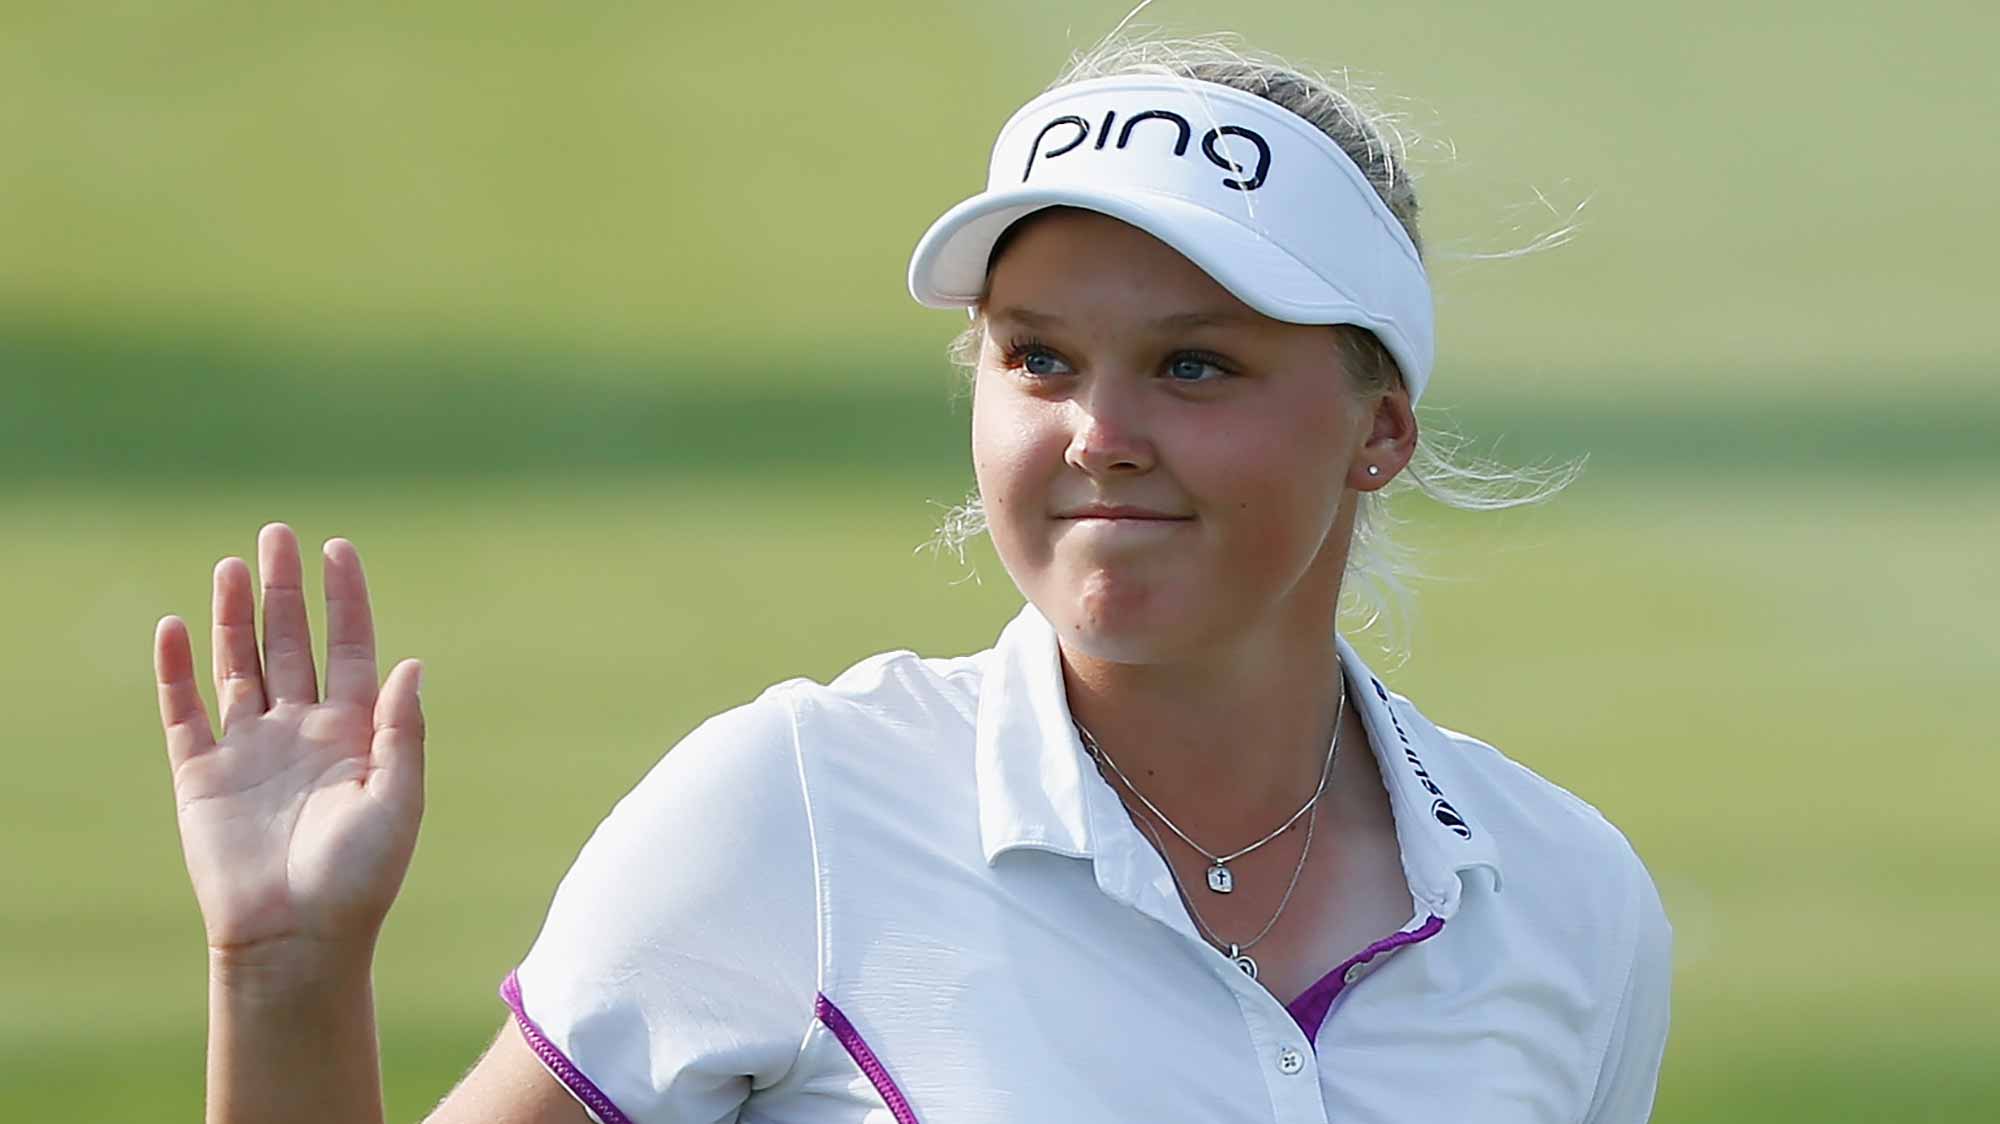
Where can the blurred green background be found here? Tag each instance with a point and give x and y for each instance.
(587, 324)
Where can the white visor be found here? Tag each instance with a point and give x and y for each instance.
(1262, 201)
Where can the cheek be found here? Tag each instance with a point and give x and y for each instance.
(1281, 533)
(1278, 497)
(1015, 456)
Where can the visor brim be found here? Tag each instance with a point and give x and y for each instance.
(948, 269)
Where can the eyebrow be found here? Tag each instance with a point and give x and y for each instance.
(1179, 321)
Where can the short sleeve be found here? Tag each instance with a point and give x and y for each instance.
(677, 968)
(1630, 1073)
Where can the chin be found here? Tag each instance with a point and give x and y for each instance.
(1121, 621)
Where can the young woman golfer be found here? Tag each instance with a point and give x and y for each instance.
(1167, 851)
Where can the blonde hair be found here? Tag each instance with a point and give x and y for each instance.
(1377, 563)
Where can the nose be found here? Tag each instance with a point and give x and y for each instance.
(1109, 437)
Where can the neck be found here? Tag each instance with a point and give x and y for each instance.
(1227, 747)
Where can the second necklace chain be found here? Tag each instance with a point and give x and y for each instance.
(1220, 879)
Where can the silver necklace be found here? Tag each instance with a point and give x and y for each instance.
(1220, 878)
(1238, 953)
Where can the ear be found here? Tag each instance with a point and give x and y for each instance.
(1389, 442)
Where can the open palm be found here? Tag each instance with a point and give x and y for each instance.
(299, 822)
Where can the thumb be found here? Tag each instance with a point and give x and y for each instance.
(397, 752)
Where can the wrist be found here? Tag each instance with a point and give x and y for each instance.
(291, 1034)
(289, 971)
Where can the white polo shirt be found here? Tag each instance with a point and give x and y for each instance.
(908, 895)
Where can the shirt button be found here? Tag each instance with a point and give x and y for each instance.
(1290, 1061)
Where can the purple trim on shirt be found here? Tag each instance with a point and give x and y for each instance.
(857, 1048)
(581, 1087)
(1310, 1008)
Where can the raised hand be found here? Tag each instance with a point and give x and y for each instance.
(298, 824)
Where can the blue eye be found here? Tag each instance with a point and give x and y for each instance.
(1188, 367)
(1032, 358)
(1041, 363)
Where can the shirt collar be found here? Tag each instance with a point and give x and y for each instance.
(1038, 789)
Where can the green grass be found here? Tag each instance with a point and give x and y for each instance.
(1776, 689)
(1770, 183)
(196, 405)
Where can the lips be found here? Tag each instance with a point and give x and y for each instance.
(1099, 511)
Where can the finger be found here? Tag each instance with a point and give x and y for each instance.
(350, 628)
(181, 714)
(288, 658)
(397, 772)
(239, 674)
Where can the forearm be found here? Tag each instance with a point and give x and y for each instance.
(293, 1042)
